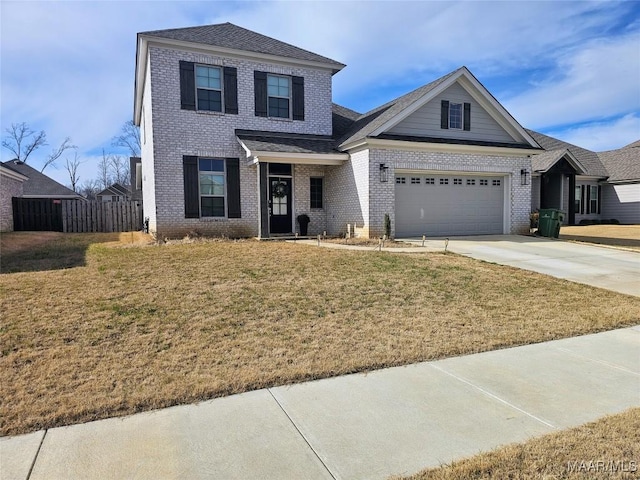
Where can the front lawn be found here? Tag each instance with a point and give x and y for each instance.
(135, 327)
(627, 236)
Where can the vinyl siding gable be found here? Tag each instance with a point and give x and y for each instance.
(426, 121)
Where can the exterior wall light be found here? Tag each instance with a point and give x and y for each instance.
(384, 173)
(524, 177)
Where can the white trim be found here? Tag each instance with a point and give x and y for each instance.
(479, 93)
(7, 172)
(573, 161)
(384, 144)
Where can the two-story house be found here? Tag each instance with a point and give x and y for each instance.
(239, 136)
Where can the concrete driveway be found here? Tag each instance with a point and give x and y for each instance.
(610, 268)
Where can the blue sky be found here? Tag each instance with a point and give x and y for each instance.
(568, 69)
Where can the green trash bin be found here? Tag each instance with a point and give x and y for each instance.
(549, 222)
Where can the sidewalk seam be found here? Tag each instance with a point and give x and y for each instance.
(495, 397)
(35, 457)
(595, 360)
(301, 434)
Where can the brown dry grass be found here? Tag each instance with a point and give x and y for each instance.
(134, 329)
(369, 242)
(605, 449)
(627, 236)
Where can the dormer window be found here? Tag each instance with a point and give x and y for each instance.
(455, 116)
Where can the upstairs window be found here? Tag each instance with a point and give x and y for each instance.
(278, 96)
(456, 116)
(209, 88)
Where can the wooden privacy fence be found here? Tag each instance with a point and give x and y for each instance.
(45, 214)
(81, 216)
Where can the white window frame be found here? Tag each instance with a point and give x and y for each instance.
(221, 89)
(289, 98)
(224, 186)
(451, 105)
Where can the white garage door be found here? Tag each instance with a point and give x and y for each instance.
(439, 205)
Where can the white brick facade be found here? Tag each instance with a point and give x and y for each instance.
(353, 192)
(176, 132)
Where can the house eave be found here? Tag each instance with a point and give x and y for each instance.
(7, 172)
(298, 158)
(386, 144)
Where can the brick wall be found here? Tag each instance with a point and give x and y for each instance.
(347, 194)
(177, 132)
(10, 187)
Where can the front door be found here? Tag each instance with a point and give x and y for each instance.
(280, 218)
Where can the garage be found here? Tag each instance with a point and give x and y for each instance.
(453, 204)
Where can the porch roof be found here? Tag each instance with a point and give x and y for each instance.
(290, 147)
(542, 162)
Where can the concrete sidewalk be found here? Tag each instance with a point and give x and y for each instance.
(392, 421)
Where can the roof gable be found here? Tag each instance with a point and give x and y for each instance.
(385, 118)
(38, 184)
(588, 159)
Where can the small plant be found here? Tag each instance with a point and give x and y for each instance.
(534, 217)
(303, 220)
(387, 225)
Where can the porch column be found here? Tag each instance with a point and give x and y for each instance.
(263, 196)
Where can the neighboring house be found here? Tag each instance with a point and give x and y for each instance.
(621, 191)
(239, 136)
(114, 193)
(39, 185)
(11, 185)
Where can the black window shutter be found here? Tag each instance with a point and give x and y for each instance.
(582, 198)
(587, 209)
(297, 97)
(599, 197)
(233, 188)
(191, 190)
(467, 116)
(444, 114)
(231, 90)
(260, 88)
(187, 86)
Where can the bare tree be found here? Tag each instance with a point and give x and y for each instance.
(119, 169)
(22, 141)
(104, 171)
(129, 138)
(72, 168)
(89, 189)
(55, 154)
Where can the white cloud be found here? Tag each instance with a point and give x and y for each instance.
(602, 136)
(599, 81)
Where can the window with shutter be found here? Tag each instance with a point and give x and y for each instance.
(211, 187)
(208, 88)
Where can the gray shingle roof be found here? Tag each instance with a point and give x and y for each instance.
(228, 35)
(588, 159)
(286, 142)
(544, 161)
(623, 164)
(38, 183)
(342, 119)
(370, 121)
